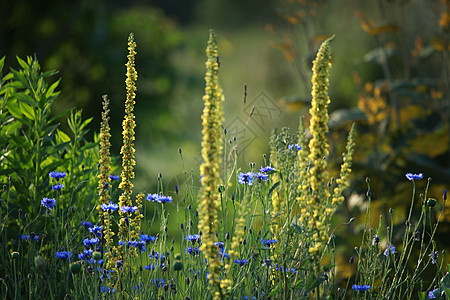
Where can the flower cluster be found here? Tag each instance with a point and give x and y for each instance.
(360, 288)
(413, 177)
(390, 249)
(48, 203)
(64, 255)
(249, 177)
(159, 198)
(57, 175)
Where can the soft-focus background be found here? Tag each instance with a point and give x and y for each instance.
(390, 75)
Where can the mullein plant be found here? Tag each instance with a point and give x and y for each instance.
(128, 225)
(104, 175)
(315, 199)
(210, 203)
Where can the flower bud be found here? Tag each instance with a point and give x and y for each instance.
(177, 265)
(15, 255)
(431, 202)
(75, 267)
(97, 255)
(40, 263)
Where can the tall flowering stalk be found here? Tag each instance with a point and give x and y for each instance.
(127, 232)
(210, 204)
(318, 147)
(105, 170)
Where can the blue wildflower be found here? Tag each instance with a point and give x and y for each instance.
(192, 251)
(221, 245)
(152, 197)
(192, 237)
(128, 209)
(376, 240)
(57, 175)
(63, 255)
(151, 267)
(240, 262)
(49, 203)
(28, 237)
(434, 256)
(267, 243)
(266, 169)
(90, 242)
(361, 288)
(147, 238)
(246, 178)
(86, 224)
(261, 176)
(96, 230)
(109, 207)
(164, 199)
(107, 289)
(432, 294)
(86, 254)
(295, 147)
(114, 177)
(390, 249)
(57, 187)
(412, 177)
(139, 245)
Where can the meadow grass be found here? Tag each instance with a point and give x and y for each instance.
(73, 229)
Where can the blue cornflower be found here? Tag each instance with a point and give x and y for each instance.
(267, 243)
(28, 238)
(107, 289)
(90, 242)
(152, 197)
(96, 230)
(86, 254)
(434, 256)
(57, 175)
(376, 240)
(114, 177)
(129, 209)
(412, 177)
(147, 238)
(111, 206)
(295, 147)
(63, 255)
(240, 262)
(158, 282)
(266, 169)
(86, 224)
(151, 267)
(192, 237)
(361, 288)
(432, 294)
(221, 245)
(49, 203)
(164, 199)
(192, 251)
(57, 187)
(390, 249)
(246, 178)
(138, 244)
(261, 176)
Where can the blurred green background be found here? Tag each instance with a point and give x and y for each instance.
(390, 75)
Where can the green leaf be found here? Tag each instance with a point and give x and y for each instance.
(52, 88)
(28, 111)
(62, 137)
(273, 188)
(26, 99)
(22, 63)
(297, 228)
(313, 283)
(2, 63)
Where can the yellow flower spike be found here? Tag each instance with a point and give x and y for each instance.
(210, 205)
(318, 145)
(103, 177)
(127, 151)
